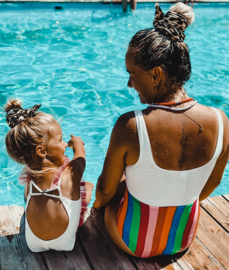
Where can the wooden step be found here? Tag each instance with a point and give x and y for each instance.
(95, 250)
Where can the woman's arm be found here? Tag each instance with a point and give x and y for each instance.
(114, 164)
(217, 173)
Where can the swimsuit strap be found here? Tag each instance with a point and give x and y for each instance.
(145, 155)
(219, 143)
(44, 192)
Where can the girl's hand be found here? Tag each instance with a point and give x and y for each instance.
(74, 141)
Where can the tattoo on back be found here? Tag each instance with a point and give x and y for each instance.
(183, 147)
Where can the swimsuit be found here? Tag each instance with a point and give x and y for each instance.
(75, 211)
(160, 210)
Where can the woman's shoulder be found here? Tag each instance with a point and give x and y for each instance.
(124, 129)
(210, 116)
(126, 121)
(209, 113)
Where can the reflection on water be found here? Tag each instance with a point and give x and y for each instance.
(72, 62)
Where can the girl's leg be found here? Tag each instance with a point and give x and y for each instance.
(85, 194)
(89, 187)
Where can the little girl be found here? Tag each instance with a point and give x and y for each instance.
(56, 198)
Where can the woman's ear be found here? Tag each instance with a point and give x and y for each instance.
(40, 151)
(157, 74)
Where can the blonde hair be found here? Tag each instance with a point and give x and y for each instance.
(22, 140)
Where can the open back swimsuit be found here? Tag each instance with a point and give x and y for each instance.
(74, 209)
(160, 210)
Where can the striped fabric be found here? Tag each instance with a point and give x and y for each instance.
(149, 231)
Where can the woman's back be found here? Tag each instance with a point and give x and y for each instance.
(158, 186)
(179, 141)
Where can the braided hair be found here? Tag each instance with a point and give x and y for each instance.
(28, 130)
(164, 44)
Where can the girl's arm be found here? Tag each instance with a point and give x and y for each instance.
(77, 145)
(77, 165)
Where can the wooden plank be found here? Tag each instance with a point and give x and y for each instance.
(101, 250)
(226, 196)
(55, 260)
(147, 264)
(158, 262)
(31, 260)
(214, 238)
(173, 266)
(218, 207)
(13, 248)
(9, 256)
(198, 258)
(75, 259)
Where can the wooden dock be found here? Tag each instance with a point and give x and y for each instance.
(94, 249)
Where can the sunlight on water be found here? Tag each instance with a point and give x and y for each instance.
(72, 62)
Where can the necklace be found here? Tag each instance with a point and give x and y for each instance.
(166, 106)
(174, 103)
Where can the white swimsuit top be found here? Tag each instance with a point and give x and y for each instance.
(67, 240)
(158, 187)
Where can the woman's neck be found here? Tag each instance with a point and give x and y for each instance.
(173, 95)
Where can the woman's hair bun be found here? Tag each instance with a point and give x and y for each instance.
(184, 10)
(12, 103)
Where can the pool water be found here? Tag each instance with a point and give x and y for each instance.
(72, 62)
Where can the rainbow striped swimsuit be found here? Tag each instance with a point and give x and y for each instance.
(149, 231)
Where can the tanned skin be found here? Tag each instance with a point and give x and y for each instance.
(177, 141)
(47, 216)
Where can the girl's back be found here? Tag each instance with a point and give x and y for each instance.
(47, 216)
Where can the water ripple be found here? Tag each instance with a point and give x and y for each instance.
(73, 63)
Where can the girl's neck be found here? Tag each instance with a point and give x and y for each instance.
(45, 180)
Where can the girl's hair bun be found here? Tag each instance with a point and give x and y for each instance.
(12, 103)
(184, 10)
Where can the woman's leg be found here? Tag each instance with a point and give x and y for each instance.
(110, 219)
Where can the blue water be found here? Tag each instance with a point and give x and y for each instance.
(72, 62)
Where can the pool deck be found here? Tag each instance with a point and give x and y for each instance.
(94, 249)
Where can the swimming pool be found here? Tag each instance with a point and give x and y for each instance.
(72, 62)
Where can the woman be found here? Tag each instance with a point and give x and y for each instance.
(173, 153)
